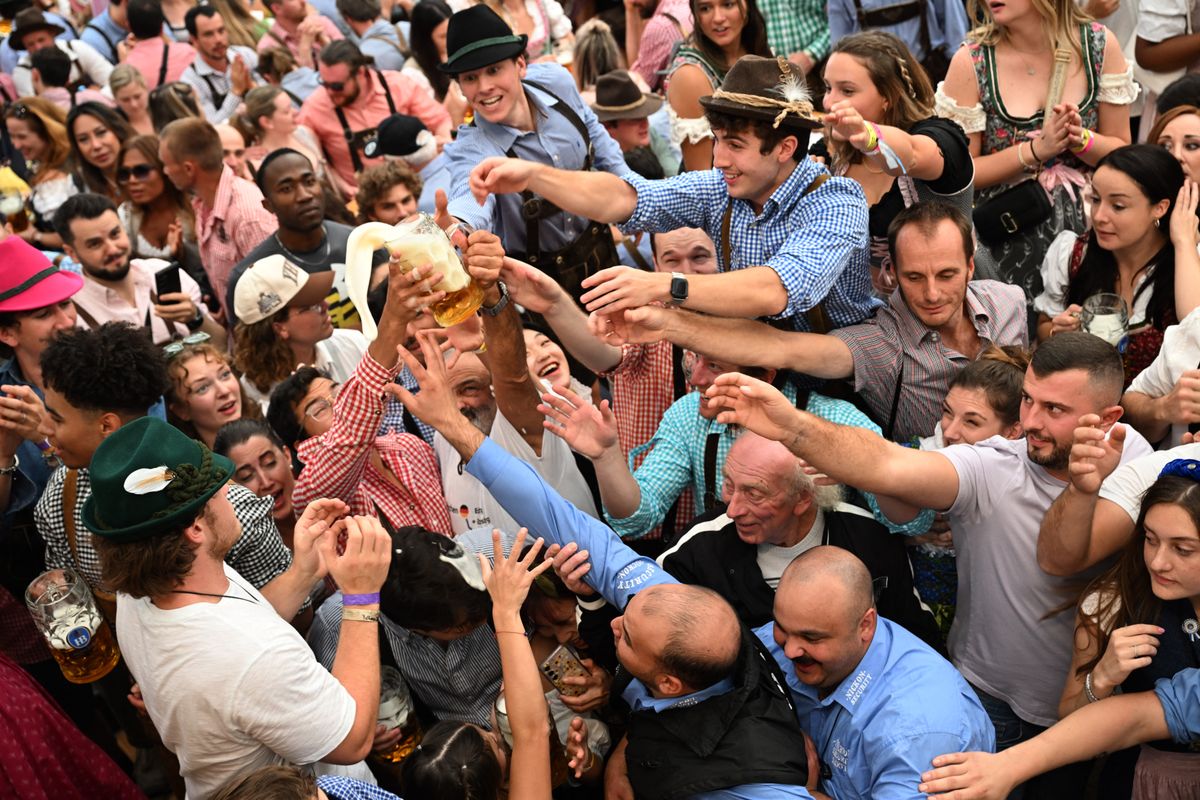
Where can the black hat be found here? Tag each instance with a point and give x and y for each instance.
(765, 88)
(618, 97)
(477, 37)
(397, 136)
(28, 21)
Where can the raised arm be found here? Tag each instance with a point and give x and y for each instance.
(744, 342)
(599, 196)
(853, 456)
(1075, 534)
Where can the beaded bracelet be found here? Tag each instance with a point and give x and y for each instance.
(1087, 140)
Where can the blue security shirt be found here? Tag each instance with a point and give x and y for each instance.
(1180, 698)
(904, 704)
(883, 725)
(555, 141)
(816, 243)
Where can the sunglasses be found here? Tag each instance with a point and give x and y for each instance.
(337, 86)
(175, 348)
(20, 110)
(141, 172)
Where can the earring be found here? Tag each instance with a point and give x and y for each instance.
(1158, 222)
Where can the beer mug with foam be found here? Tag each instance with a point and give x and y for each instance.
(65, 612)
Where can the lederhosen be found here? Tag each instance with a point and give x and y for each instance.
(355, 141)
(593, 251)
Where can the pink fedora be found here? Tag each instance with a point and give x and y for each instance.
(28, 280)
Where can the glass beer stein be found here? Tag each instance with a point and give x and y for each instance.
(396, 711)
(421, 242)
(80, 640)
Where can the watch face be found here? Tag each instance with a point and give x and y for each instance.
(679, 288)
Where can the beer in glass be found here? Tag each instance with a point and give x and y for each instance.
(423, 243)
(65, 612)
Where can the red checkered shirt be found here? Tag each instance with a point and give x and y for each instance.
(338, 462)
(236, 224)
(643, 388)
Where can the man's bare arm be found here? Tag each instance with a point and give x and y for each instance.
(599, 196)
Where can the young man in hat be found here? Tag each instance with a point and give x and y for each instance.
(792, 241)
(162, 523)
(33, 30)
(624, 110)
(533, 113)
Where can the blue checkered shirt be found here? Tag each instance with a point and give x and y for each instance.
(339, 788)
(392, 420)
(676, 460)
(817, 243)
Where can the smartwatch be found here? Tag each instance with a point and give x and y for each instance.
(679, 288)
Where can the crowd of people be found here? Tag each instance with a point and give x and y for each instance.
(661, 399)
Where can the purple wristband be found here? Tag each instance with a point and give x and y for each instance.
(360, 599)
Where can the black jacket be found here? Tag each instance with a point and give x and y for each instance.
(711, 554)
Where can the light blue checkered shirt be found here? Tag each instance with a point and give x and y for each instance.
(817, 243)
(676, 460)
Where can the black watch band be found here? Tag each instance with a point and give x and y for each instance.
(679, 288)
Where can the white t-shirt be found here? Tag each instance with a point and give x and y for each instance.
(1180, 352)
(231, 686)
(1000, 641)
(337, 357)
(773, 560)
(1056, 280)
(1130, 481)
(472, 505)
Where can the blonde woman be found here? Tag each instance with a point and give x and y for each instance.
(996, 90)
(38, 131)
(270, 119)
(133, 98)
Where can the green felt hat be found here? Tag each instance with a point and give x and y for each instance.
(149, 478)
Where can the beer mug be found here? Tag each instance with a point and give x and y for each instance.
(1105, 315)
(396, 711)
(12, 206)
(422, 242)
(65, 612)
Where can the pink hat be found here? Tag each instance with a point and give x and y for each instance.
(29, 280)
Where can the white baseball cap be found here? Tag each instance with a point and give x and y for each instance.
(273, 283)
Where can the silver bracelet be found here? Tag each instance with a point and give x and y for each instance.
(1087, 689)
(10, 470)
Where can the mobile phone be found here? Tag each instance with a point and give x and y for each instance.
(166, 280)
(562, 663)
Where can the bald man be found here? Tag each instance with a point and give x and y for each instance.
(774, 512)
(880, 702)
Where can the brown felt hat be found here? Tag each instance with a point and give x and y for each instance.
(618, 97)
(769, 89)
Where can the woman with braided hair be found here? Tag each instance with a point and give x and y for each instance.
(880, 131)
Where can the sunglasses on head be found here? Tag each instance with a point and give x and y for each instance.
(20, 110)
(175, 348)
(141, 172)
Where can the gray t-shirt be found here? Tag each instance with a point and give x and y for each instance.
(1000, 641)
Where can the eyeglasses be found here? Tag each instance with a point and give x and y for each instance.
(316, 308)
(175, 348)
(140, 171)
(323, 406)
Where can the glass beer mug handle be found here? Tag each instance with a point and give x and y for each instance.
(466, 228)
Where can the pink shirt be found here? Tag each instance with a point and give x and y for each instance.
(227, 232)
(367, 111)
(61, 97)
(147, 58)
(103, 304)
(659, 38)
(277, 36)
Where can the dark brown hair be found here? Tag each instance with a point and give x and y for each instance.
(261, 353)
(927, 216)
(753, 37)
(375, 182)
(1000, 373)
(769, 135)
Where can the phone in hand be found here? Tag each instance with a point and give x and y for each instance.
(562, 663)
(166, 280)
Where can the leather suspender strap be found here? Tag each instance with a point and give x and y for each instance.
(87, 317)
(162, 71)
(818, 318)
(105, 601)
(218, 96)
(710, 470)
(891, 425)
(107, 39)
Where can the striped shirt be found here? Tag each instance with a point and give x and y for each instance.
(670, 24)
(459, 681)
(895, 337)
(338, 462)
(817, 243)
(677, 461)
(234, 225)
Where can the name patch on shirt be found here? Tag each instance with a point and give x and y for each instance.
(625, 581)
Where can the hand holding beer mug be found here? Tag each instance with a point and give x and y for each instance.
(397, 718)
(1105, 315)
(65, 612)
(416, 243)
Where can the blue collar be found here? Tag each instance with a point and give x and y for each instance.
(854, 686)
(640, 699)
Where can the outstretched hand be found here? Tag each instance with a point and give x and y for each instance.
(968, 776)
(755, 405)
(587, 429)
(500, 176)
(319, 516)
(434, 404)
(617, 288)
(644, 325)
(571, 565)
(531, 288)
(509, 579)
